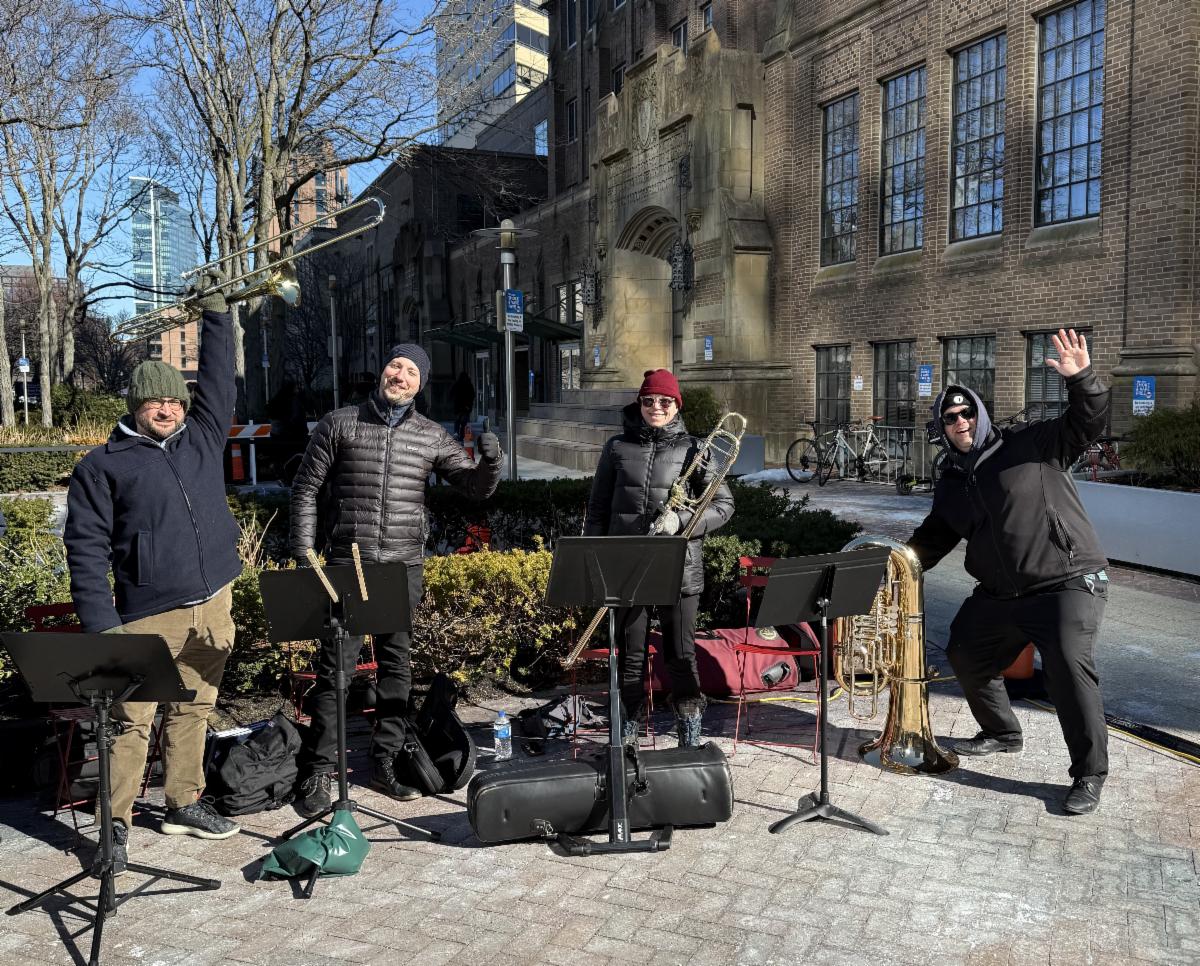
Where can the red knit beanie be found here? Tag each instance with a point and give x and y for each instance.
(660, 382)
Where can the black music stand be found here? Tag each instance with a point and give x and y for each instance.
(616, 572)
(101, 670)
(818, 588)
(299, 608)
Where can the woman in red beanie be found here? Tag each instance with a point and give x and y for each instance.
(631, 485)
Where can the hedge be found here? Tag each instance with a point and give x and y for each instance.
(25, 472)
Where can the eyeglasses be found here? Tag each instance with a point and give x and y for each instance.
(656, 402)
(164, 403)
(950, 419)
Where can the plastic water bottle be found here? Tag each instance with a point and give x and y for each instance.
(502, 737)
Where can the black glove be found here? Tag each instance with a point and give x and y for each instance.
(213, 298)
(302, 561)
(489, 447)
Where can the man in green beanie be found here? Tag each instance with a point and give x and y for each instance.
(149, 507)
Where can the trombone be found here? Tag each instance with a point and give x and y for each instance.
(277, 278)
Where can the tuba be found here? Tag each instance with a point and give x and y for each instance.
(887, 647)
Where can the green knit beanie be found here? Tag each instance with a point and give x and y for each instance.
(156, 380)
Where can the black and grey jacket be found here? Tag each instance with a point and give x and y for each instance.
(633, 481)
(374, 476)
(1014, 502)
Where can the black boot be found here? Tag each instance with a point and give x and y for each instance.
(688, 720)
(383, 779)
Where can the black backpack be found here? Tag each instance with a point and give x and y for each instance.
(438, 754)
(258, 774)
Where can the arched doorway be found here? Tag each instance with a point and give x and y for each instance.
(647, 324)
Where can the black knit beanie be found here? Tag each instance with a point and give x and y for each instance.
(412, 352)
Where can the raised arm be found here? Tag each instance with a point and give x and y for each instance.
(476, 481)
(216, 380)
(1063, 440)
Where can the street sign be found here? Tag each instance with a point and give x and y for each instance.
(23, 365)
(924, 380)
(1143, 395)
(858, 383)
(708, 348)
(514, 310)
(595, 357)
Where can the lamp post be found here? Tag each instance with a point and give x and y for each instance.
(333, 336)
(507, 234)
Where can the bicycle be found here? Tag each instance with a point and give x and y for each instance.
(871, 461)
(1100, 456)
(804, 455)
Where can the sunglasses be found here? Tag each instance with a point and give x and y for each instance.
(660, 402)
(950, 419)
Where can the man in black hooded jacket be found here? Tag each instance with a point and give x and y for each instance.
(1038, 561)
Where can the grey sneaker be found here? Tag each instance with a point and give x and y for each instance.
(120, 851)
(313, 795)
(199, 819)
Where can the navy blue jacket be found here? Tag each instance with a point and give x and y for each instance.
(156, 514)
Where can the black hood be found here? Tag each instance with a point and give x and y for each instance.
(638, 429)
(983, 422)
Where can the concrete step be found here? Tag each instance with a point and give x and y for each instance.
(566, 430)
(600, 398)
(577, 413)
(561, 452)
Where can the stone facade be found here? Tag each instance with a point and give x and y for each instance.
(1128, 273)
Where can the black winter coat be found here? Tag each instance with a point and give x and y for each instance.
(633, 481)
(1015, 502)
(156, 514)
(375, 475)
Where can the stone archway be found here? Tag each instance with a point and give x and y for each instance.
(639, 302)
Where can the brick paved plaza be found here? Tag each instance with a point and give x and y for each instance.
(981, 867)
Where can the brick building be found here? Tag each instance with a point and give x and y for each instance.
(952, 180)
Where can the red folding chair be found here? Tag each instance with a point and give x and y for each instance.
(794, 642)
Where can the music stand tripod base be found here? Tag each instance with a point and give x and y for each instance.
(316, 615)
(616, 572)
(101, 670)
(817, 588)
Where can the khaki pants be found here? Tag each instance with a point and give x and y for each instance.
(200, 639)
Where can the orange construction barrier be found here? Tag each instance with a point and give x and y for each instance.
(469, 441)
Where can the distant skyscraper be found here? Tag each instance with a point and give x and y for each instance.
(490, 54)
(162, 248)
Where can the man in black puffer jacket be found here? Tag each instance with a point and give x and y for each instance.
(632, 483)
(368, 464)
(1038, 561)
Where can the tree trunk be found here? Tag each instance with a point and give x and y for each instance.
(46, 322)
(8, 414)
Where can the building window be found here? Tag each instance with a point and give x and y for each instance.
(618, 78)
(572, 22)
(1070, 112)
(895, 383)
(833, 385)
(572, 119)
(971, 362)
(1045, 389)
(706, 16)
(902, 190)
(589, 11)
(839, 195)
(541, 138)
(679, 35)
(977, 156)
(618, 3)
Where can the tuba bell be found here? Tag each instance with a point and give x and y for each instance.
(887, 648)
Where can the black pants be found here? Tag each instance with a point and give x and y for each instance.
(678, 626)
(394, 680)
(987, 636)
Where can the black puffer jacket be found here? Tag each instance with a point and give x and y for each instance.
(633, 481)
(1014, 502)
(375, 477)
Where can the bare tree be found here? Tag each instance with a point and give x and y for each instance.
(101, 362)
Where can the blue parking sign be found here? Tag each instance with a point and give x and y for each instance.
(514, 310)
(1143, 395)
(924, 380)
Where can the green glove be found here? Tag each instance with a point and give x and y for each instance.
(212, 298)
(119, 629)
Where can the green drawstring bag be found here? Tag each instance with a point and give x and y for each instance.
(338, 848)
